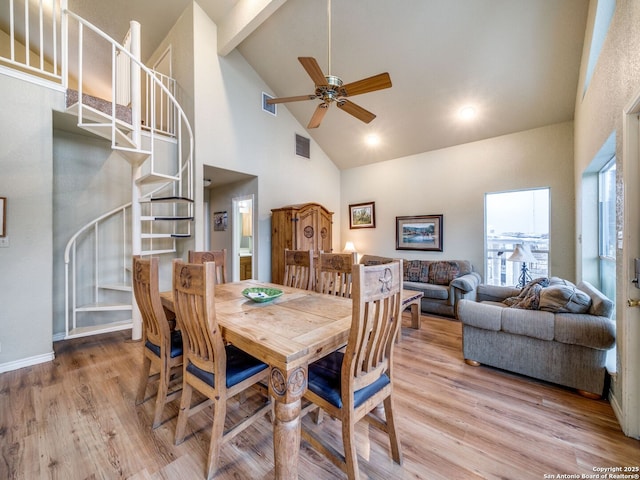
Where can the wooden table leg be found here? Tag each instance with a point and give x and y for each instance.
(415, 315)
(287, 389)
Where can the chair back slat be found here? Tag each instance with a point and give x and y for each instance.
(195, 312)
(377, 296)
(334, 273)
(147, 295)
(299, 269)
(217, 256)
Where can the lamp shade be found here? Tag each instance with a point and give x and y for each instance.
(521, 254)
(349, 247)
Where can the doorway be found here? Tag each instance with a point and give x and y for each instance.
(242, 250)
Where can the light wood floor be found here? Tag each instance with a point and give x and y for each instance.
(75, 418)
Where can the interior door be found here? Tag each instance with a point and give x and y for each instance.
(626, 401)
(242, 251)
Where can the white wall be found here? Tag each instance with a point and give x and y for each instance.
(232, 131)
(599, 113)
(26, 180)
(89, 179)
(453, 182)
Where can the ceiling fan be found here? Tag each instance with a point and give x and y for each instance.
(330, 89)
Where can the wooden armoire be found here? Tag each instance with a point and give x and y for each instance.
(298, 227)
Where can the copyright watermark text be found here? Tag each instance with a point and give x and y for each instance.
(600, 473)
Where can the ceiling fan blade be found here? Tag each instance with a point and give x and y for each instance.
(318, 115)
(371, 84)
(299, 98)
(313, 69)
(357, 111)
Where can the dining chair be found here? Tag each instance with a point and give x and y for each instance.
(217, 256)
(162, 345)
(350, 385)
(216, 370)
(299, 271)
(334, 273)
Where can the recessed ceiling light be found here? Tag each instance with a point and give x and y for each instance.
(372, 140)
(467, 113)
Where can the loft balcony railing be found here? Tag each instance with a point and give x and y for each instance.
(34, 42)
(499, 271)
(37, 45)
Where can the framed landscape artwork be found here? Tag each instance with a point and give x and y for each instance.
(362, 215)
(421, 232)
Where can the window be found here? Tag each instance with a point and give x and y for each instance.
(607, 228)
(511, 218)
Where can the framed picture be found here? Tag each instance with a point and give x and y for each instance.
(422, 232)
(219, 221)
(3, 216)
(362, 215)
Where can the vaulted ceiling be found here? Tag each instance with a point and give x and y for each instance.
(516, 62)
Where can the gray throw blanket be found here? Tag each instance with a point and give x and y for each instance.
(529, 297)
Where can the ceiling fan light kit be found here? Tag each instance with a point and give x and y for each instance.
(330, 88)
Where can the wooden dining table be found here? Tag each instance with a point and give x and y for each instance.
(287, 333)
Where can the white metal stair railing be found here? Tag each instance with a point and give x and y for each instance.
(175, 178)
(93, 301)
(161, 210)
(33, 38)
(162, 206)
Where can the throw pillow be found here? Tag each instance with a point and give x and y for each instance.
(564, 299)
(412, 270)
(423, 276)
(560, 281)
(441, 273)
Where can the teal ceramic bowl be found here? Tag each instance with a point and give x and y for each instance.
(260, 294)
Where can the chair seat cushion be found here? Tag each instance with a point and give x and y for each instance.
(240, 366)
(325, 379)
(176, 345)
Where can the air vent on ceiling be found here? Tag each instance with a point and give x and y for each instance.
(303, 148)
(266, 107)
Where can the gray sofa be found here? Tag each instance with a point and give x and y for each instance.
(561, 336)
(442, 282)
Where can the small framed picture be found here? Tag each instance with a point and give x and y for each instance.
(219, 221)
(362, 215)
(422, 232)
(3, 216)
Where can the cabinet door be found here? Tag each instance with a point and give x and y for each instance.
(307, 229)
(324, 237)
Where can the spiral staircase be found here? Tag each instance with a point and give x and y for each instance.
(145, 125)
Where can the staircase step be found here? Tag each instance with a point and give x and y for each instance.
(105, 130)
(165, 235)
(120, 287)
(134, 156)
(103, 307)
(93, 117)
(97, 329)
(167, 200)
(98, 106)
(156, 178)
(157, 252)
(165, 218)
